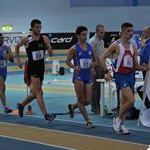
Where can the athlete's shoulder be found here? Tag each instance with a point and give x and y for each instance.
(115, 44)
(73, 48)
(89, 45)
(24, 39)
(45, 38)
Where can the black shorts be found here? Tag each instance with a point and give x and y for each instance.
(36, 73)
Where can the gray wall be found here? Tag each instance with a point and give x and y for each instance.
(58, 16)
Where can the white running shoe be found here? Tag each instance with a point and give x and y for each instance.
(124, 130)
(117, 125)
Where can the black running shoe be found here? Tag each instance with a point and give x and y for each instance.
(71, 110)
(7, 110)
(20, 110)
(50, 117)
(89, 124)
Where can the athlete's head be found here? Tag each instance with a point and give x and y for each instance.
(146, 32)
(36, 26)
(82, 33)
(127, 30)
(100, 31)
(1, 39)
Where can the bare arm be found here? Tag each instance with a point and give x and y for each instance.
(71, 55)
(10, 55)
(48, 46)
(108, 53)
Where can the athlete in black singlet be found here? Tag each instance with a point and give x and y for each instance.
(36, 45)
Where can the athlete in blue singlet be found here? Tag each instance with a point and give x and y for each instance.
(5, 54)
(84, 62)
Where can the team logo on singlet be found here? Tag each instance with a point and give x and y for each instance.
(80, 53)
(40, 46)
(90, 53)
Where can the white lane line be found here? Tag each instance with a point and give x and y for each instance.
(36, 142)
(71, 133)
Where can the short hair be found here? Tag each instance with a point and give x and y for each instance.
(80, 29)
(1, 34)
(126, 25)
(147, 28)
(35, 21)
(99, 26)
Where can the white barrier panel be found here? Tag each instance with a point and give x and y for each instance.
(72, 70)
(145, 119)
(55, 67)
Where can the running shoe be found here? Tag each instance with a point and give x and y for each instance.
(71, 110)
(124, 130)
(7, 110)
(89, 124)
(50, 117)
(117, 125)
(20, 110)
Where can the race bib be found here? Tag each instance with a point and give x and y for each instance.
(85, 63)
(128, 61)
(2, 63)
(38, 55)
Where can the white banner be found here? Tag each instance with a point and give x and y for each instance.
(11, 39)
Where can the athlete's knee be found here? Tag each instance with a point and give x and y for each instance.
(132, 101)
(33, 94)
(129, 101)
(38, 92)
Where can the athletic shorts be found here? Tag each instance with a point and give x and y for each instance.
(3, 74)
(124, 80)
(86, 78)
(36, 73)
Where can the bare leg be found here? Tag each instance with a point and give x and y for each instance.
(2, 92)
(127, 102)
(37, 89)
(88, 94)
(80, 93)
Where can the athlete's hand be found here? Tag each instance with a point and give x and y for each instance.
(77, 69)
(19, 64)
(94, 74)
(107, 76)
(51, 53)
(145, 67)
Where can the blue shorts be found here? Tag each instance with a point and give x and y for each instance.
(124, 80)
(3, 73)
(3, 76)
(86, 78)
